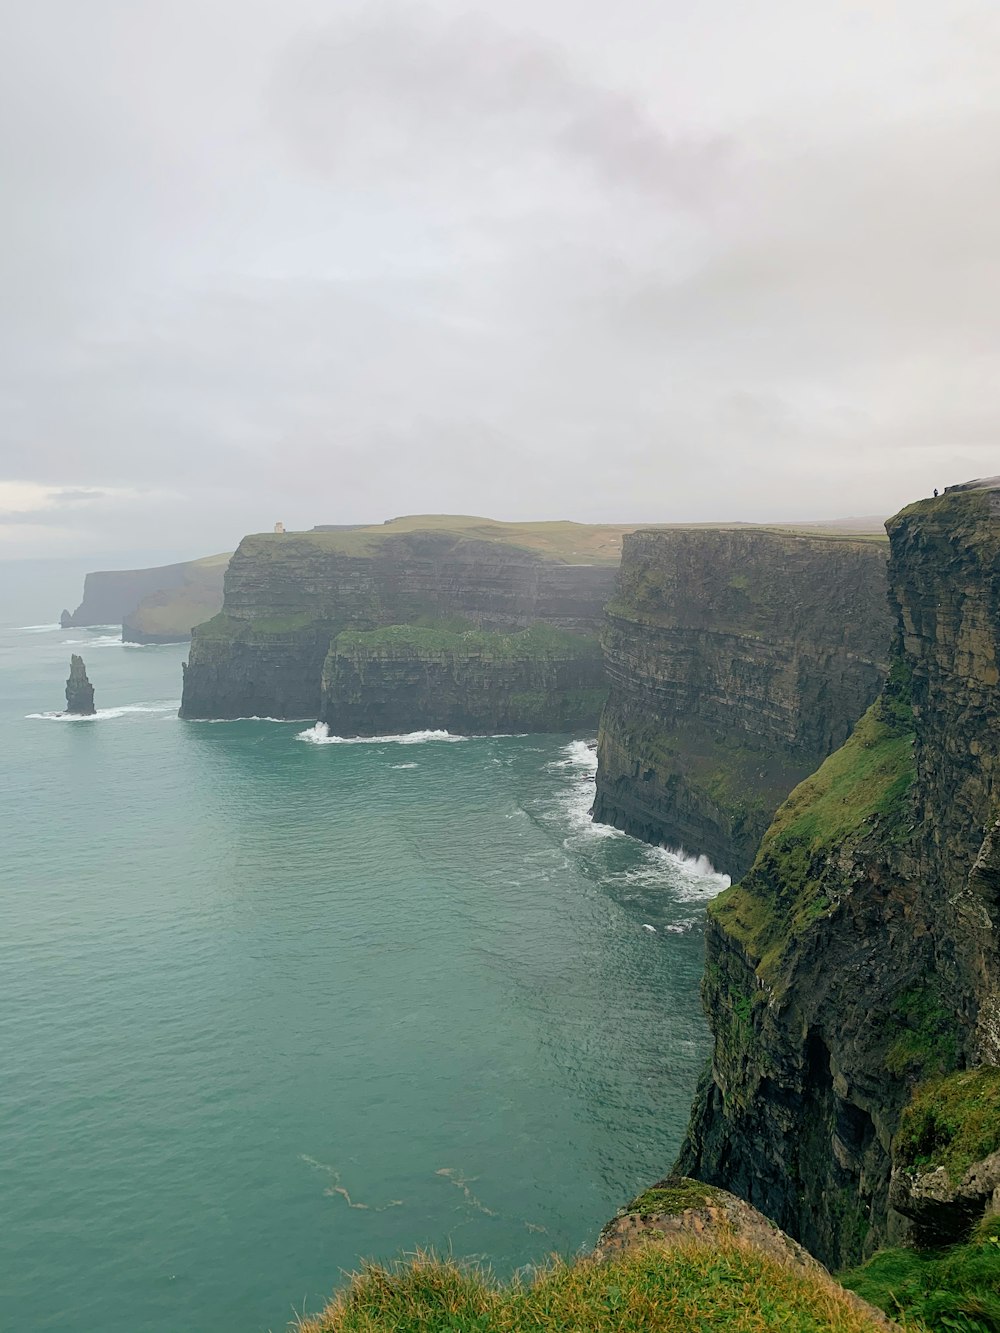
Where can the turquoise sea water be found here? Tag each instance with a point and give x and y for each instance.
(268, 1006)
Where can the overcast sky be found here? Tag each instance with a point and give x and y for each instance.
(328, 262)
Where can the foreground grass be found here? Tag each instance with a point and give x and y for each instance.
(683, 1289)
(947, 1291)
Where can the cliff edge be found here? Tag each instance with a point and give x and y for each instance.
(856, 964)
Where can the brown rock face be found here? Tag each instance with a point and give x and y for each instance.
(79, 691)
(738, 660)
(858, 956)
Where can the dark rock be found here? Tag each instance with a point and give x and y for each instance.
(859, 955)
(287, 599)
(474, 682)
(79, 691)
(737, 661)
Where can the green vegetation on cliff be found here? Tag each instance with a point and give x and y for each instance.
(863, 783)
(537, 643)
(954, 1290)
(650, 1289)
(951, 1123)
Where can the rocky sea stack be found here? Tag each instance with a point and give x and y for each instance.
(79, 691)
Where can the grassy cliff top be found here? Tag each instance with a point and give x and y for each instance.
(174, 611)
(651, 1289)
(563, 541)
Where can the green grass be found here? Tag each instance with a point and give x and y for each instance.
(564, 542)
(692, 1288)
(673, 1197)
(954, 1290)
(951, 1122)
(787, 889)
(538, 642)
(927, 1040)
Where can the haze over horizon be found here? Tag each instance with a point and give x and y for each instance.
(730, 263)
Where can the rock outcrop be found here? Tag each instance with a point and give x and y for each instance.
(405, 678)
(289, 596)
(857, 960)
(738, 659)
(79, 691)
(679, 1211)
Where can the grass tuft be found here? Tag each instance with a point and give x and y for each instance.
(955, 1290)
(682, 1289)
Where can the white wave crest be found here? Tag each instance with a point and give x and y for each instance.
(581, 755)
(223, 721)
(105, 714)
(96, 641)
(320, 735)
(35, 629)
(404, 765)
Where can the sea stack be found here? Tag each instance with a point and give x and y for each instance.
(79, 691)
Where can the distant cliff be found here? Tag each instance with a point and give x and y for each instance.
(400, 679)
(858, 959)
(289, 596)
(738, 659)
(156, 605)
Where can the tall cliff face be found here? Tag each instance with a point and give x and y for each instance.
(857, 959)
(406, 678)
(738, 659)
(288, 596)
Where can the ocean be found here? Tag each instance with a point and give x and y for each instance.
(273, 1003)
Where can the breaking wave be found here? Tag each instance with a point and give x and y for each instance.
(689, 878)
(105, 714)
(320, 735)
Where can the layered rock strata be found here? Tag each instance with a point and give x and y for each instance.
(406, 678)
(738, 659)
(857, 960)
(288, 597)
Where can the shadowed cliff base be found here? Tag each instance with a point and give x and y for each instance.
(737, 659)
(857, 961)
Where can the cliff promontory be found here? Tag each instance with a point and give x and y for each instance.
(278, 647)
(738, 659)
(157, 605)
(855, 968)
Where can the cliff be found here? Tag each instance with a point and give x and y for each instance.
(169, 614)
(405, 678)
(857, 961)
(288, 596)
(738, 659)
(153, 605)
(79, 691)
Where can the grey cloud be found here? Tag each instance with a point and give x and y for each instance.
(727, 261)
(406, 92)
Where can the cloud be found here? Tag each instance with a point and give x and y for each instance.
(732, 260)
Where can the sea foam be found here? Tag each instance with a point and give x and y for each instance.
(106, 714)
(320, 735)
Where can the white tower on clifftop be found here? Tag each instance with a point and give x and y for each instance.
(279, 527)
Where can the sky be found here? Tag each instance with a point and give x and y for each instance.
(656, 261)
